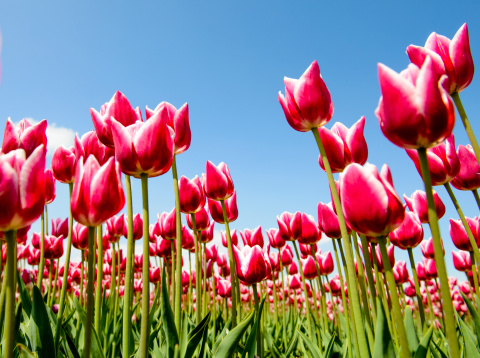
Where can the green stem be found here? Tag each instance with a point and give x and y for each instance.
(4, 289)
(55, 280)
(474, 273)
(42, 252)
(65, 276)
(233, 268)
(198, 271)
(82, 269)
(50, 273)
(466, 124)
(145, 327)
(178, 287)
(284, 313)
(127, 302)
(259, 338)
(91, 278)
(324, 305)
(371, 282)
(355, 299)
(417, 287)
(439, 259)
(189, 293)
(98, 289)
(204, 294)
(9, 334)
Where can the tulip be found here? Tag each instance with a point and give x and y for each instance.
(206, 235)
(328, 220)
(50, 192)
(307, 103)
(286, 255)
(27, 137)
(274, 261)
(192, 196)
(80, 236)
(427, 248)
(325, 263)
(60, 227)
(309, 269)
(164, 247)
(187, 240)
(63, 164)
(409, 234)
(452, 58)
(370, 203)
(137, 231)
(344, 146)
(418, 204)
(430, 268)
(400, 272)
(307, 250)
(459, 235)
(222, 260)
(252, 237)
(274, 238)
(216, 211)
(224, 288)
(89, 144)
(212, 252)
(378, 255)
(217, 183)
(462, 261)
(468, 178)
(233, 236)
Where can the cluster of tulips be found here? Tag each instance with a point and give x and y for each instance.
(113, 304)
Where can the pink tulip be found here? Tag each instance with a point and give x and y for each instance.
(400, 272)
(293, 268)
(27, 137)
(295, 281)
(306, 250)
(274, 238)
(459, 234)
(468, 178)
(187, 240)
(414, 111)
(53, 247)
(307, 103)
(462, 261)
(168, 224)
(325, 263)
(309, 269)
(409, 234)
(50, 192)
(202, 220)
(274, 261)
(215, 209)
(430, 268)
(284, 229)
(97, 193)
(63, 164)
(34, 258)
(286, 255)
(178, 121)
(206, 236)
(116, 226)
(233, 236)
(212, 252)
(137, 231)
(427, 248)
(450, 57)
(224, 288)
(391, 257)
(298, 226)
(222, 260)
(22, 194)
(252, 237)
(442, 161)
(418, 204)
(328, 220)
(164, 247)
(91, 145)
(369, 201)
(217, 183)
(121, 110)
(144, 147)
(192, 196)
(60, 227)
(344, 146)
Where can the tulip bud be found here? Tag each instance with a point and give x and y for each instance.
(409, 234)
(462, 261)
(252, 237)
(217, 183)
(468, 178)
(27, 137)
(192, 196)
(63, 164)
(418, 204)
(215, 209)
(459, 234)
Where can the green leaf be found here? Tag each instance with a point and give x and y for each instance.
(329, 350)
(314, 350)
(410, 330)
(96, 350)
(470, 350)
(422, 349)
(167, 320)
(383, 340)
(475, 316)
(251, 345)
(41, 336)
(195, 337)
(25, 352)
(71, 344)
(222, 335)
(228, 345)
(292, 346)
(24, 295)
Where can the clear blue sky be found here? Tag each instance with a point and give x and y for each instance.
(227, 60)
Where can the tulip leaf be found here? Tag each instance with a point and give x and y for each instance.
(96, 350)
(422, 349)
(292, 346)
(227, 347)
(470, 350)
(250, 346)
(314, 350)
(475, 316)
(195, 336)
(329, 350)
(383, 340)
(222, 335)
(410, 330)
(167, 320)
(25, 352)
(24, 295)
(41, 335)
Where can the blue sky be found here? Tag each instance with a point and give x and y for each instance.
(227, 60)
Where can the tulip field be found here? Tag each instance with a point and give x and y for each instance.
(268, 293)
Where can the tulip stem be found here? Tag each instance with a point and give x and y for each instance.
(145, 327)
(439, 257)
(98, 289)
(50, 273)
(198, 276)
(11, 271)
(127, 301)
(284, 313)
(368, 268)
(477, 197)
(178, 295)
(233, 268)
(82, 269)
(259, 338)
(474, 273)
(42, 252)
(204, 294)
(65, 276)
(417, 287)
(355, 299)
(324, 305)
(91, 278)
(466, 124)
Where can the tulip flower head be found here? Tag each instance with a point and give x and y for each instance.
(215, 209)
(468, 178)
(206, 236)
(202, 220)
(462, 261)
(409, 234)
(252, 237)
(89, 144)
(459, 234)
(64, 162)
(27, 136)
(427, 248)
(217, 182)
(50, 192)
(328, 220)
(417, 203)
(274, 238)
(192, 196)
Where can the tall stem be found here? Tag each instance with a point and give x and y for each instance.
(98, 289)
(204, 293)
(284, 313)
(91, 278)
(474, 273)
(178, 295)
(477, 197)
(355, 299)
(259, 338)
(42, 252)
(233, 268)
(145, 327)
(55, 280)
(417, 287)
(198, 270)
(11, 269)
(439, 259)
(127, 302)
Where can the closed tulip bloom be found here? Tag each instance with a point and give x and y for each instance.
(400, 272)
(468, 178)
(137, 231)
(307, 103)
(450, 57)
(50, 192)
(202, 220)
(274, 261)
(274, 238)
(22, 188)
(417, 203)
(309, 269)
(459, 234)
(91, 145)
(369, 201)
(63, 164)
(222, 260)
(335, 284)
(53, 247)
(167, 223)
(442, 161)
(293, 268)
(116, 225)
(155, 274)
(119, 108)
(306, 250)
(34, 258)
(192, 196)
(344, 146)
(164, 247)
(206, 236)
(286, 255)
(427, 248)
(97, 193)
(325, 263)
(328, 220)
(224, 288)
(391, 257)
(430, 268)
(462, 261)
(212, 252)
(178, 121)
(252, 237)
(27, 137)
(144, 147)
(233, 236)
(187, 240)
(415, 111)
(284, 229)
(215, 209)
(409, 234)
(217, 183)
(60, 227)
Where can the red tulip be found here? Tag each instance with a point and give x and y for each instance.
(116, 226)
(307, 103)
(53, 247)
(344, 146)
(298, 226)
(215, 209)
(206, 235)
(178, 122)
(192, 196)
(233, 236)
(50, 192)
(27, 137)
(212, 252)
(391, 257)
(325, 263)
(295, 282)
(63, 164)
(187, 240)
(202, 220)
(252, 264)
(328, 220)
(442, 161)
(222, 260)
(252, 237)
(414, 111)
(137, 231)
(34, 258)
(144, 147)
(164, 247)
(417, 203)
(224, 288)
(22, 194)
(427, 248)
(468, 178)
(309, 269)
(97, 193)
(121, 110)
(450, 57)
(60, 227)
(217, 183)
(462, 261)
(430, 268)
(459, 234)
(91, 145)
(369, 201)
(409, 234)
(155, 274)
(274, 261)
(286, 255)
(400, 272)
(293, 269)
(274, 238)
(306, 250)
